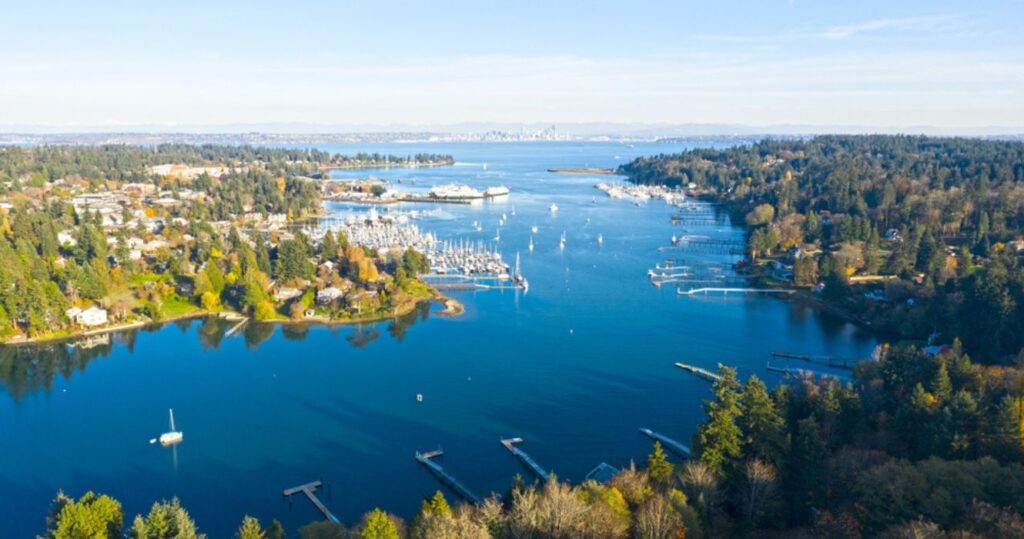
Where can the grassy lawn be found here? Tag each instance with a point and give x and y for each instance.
(177, 306)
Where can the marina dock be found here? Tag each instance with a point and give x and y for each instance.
(695, 291)
(426, 459)
(837, 362)
(699, 372)
(510, 444)
(308, 489)
(672, 445)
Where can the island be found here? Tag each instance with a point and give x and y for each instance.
(96, 239)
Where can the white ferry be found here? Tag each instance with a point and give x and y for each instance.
(496, 191)
(455, 192)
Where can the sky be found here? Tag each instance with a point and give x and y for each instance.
(322, 64)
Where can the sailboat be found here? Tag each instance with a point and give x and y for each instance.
(600, 239)
(531, 244)
(561, 242)
(533, 229)
(171, 437)
(518, 278)
(553, 208)
(497, 235)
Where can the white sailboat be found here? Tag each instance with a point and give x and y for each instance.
(171, 437)
(518, 278)
(553, 208)
(561, 242)
(600, 239)
(531, 244)
(533, 229)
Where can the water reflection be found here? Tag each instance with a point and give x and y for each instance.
(30, 369)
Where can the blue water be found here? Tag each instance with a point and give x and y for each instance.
(574, 367)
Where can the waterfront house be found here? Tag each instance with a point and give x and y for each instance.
(329, 295)
(93, 316)
(286, 293)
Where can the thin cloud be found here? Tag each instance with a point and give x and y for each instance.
(929, 23)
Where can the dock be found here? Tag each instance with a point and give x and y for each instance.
(426, 459)
(695, 291)
(699, 372)
(308, 489)
(672, 445)
(837, 362)
(510, 444)
(790, 372)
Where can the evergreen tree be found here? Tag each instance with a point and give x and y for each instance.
(659, 468)
(329, 247)
(93, 516)
(718, 439)
(377, 525)
(166, 520)
(250, 529)
(806, 469)
(1005, 434)
(760, 423)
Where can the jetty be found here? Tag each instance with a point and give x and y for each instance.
(720, 290)
(699, 372)
(837, 362)
(426, 459)
(674, 446)
(790, 372)
(510, 444)
(308, 489)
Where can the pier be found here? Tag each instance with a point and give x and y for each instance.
(426, 460)
(308, 489)
(790, 372)
(236, 327)
(837, 362)
(699, 372)
(695, 291)
(510, 444)
(674, 446)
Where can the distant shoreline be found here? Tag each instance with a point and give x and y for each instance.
(586, 170)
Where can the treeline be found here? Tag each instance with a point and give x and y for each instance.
(944, 215)
(916, 447)
(131, 163)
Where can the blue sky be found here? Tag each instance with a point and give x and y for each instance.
(77, 65)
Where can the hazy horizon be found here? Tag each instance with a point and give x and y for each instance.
(874, 66)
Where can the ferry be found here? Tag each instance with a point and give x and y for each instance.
(455, 192)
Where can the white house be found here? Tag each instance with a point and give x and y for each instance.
(93, 316)
(329, 294)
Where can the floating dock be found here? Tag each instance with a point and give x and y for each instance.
(510, 444)
(308, 489)
(699, 372)
(426, 460)
(839, 362)
(672, 445)
(695, 291)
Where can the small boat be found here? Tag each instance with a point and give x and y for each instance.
(419, 397)
(497, 236)
(561, 242)
(533, 229)
(553, 208)
(531, 244)
(600, 239)
(171, 437)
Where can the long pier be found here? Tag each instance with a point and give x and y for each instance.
(446, 478)
(838, 362)
(790, 372)
(699, 372)
(695, 291)
(308, 489)
(236, 327)
(674, 446)
(510, 444)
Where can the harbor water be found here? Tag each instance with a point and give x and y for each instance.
(575, 366)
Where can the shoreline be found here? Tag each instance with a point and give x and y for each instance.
(452, 308)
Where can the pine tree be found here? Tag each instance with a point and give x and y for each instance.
(941, 387)
(329, 247)
(377, 525)
(719, 438)
(250, 529)
(760, 423)
(1006, 441)
(658, 467)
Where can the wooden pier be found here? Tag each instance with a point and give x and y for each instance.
(672, 445)
(510, 444)
(426, 460)
(236, 327)
(699, 372)
(836, 362)
(695, 291)
(790, 372)
(308, 489)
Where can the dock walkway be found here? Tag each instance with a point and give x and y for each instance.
(308, 490)
(510, 444)
(426, 460)
(699, 372)
(696, 291)
(672, 445)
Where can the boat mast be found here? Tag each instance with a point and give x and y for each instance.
(171, 413)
